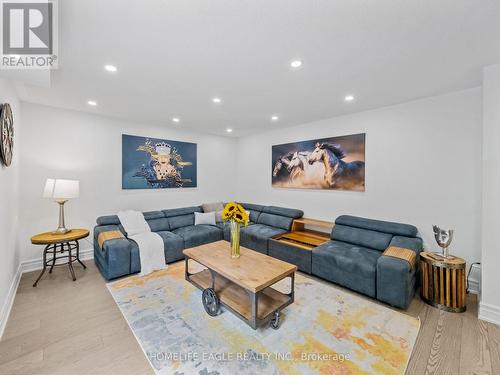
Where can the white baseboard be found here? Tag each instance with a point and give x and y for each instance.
(9, 300)
(27, 266)
(489, 313)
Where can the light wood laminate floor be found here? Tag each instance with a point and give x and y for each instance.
(64, 327)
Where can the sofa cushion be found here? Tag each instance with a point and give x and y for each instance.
(253, 215)
(378, 225)
(276, 221)
(254, 209)
(216, 207)
(151, 215)
(282, 211)
(291, 254)
(174, 244)
(181, 217)
(199, 234)
(279, 217)
(156, 220)
(414, 243)
(362, 237)
(158, 225)
(181, 221)
(256, 236)
(352, 266)
(181, 211)
(226, 230)
(108, 220)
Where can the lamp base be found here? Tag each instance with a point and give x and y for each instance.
(61, 231)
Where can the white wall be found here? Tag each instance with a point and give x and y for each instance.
(67, 144)
(9, 182)
(490, 257)
(423, 166)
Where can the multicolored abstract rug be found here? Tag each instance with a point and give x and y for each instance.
(325, 331)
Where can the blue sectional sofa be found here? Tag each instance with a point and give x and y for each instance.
(120, 256)
(354, 258)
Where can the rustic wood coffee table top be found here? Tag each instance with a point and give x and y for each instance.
(252, 270)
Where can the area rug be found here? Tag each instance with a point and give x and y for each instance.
(326, 330)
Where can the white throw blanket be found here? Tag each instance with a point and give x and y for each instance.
(150, 244)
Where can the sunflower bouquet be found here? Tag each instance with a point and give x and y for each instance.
(236, 212)
(236, 215)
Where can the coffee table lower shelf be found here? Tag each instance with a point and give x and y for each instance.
(255, 309)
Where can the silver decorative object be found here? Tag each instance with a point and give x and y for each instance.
(443, 239)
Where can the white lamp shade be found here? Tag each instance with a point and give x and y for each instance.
(61, 189)
(48, 191)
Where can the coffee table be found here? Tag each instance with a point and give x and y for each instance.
(242, 285)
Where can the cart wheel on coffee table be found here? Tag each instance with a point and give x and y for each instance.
(276, 320)
(210, 301)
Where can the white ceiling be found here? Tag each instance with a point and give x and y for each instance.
(173, 56)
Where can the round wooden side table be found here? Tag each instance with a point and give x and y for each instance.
(60, 246)
(443, 281)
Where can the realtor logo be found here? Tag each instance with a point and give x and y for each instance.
(29, 34)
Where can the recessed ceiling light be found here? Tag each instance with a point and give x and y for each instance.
(349, 98)
(296, 64)
(275, 118)
(92, 103)
(217, 100)
(229, 130)
(176, 119)
(110, 68)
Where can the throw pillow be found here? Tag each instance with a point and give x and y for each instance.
(204, 218)
(216, 207)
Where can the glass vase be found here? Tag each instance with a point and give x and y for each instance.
(235, 239)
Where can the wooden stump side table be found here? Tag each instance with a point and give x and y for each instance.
(60, 246)
(443, 281)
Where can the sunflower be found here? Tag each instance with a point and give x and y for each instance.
(236, 212)
(226, 215)
(238, 216)
(229, 210)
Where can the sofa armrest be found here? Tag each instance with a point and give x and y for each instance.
(104, 228)
(396, 281)
(117, 254)
(412, 243)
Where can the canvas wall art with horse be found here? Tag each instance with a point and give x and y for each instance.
(151, 163)
(328, 163)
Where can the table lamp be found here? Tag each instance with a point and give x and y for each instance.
(61, 191)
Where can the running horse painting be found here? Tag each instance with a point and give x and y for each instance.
(338, 173)
(336, 163)
(283, 161)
